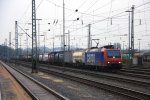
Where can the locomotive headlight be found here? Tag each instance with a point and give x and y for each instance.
(108, 62)
(119, 62)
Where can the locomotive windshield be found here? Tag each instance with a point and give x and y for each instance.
(113, 54)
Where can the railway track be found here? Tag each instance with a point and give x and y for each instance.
(96, 82)
(138, 75)
(110, 76)
(34, 88)
(139, 68)
(126, 75)
(136, 71)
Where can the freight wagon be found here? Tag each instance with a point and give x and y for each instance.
(106, 57)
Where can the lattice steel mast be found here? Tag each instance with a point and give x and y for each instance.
(63, 30)
(16, 39)
(89, 36)
(34, 39)
(132, 32)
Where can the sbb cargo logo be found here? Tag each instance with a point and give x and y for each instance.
(90, 58)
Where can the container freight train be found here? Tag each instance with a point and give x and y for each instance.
(106, 57)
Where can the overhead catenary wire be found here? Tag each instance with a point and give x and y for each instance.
(25, 11)
(142, 4)
(83, 2)
(120, 13)
(114, 16)
(36, 10)
(92, 5)
(70, 9)
(78, 8)
(106, 32)
(119, 16)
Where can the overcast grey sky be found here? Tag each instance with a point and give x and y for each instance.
(108, 19)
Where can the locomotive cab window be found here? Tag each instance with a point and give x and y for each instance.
(113, 53)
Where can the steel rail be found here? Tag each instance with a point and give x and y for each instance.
(61, 97)
(120, 90)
